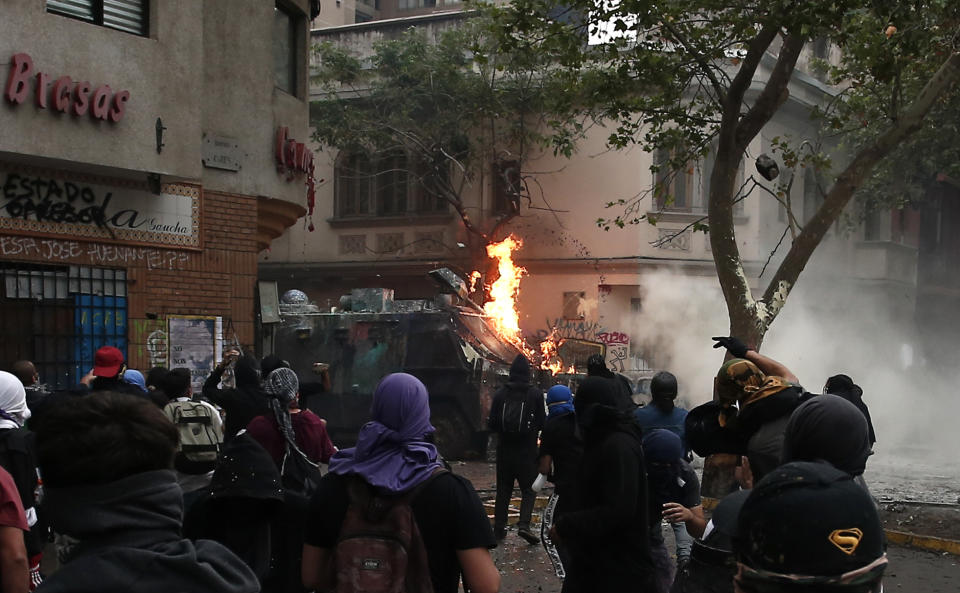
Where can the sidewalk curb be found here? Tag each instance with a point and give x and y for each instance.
(900, 538)
(923, 542)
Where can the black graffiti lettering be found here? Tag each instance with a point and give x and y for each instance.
(87, 195)
(26, 188)
(40, 188)
(54, 190)
(72, 191)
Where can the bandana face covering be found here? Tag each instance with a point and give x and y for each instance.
(756, 580)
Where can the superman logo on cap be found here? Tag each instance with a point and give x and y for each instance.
(846, 540)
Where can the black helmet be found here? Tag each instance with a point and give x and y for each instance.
(663, 386)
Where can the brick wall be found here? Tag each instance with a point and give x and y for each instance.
(219, 280)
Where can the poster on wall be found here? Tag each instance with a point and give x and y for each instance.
(196, 343)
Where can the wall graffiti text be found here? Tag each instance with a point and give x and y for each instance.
(99, 253)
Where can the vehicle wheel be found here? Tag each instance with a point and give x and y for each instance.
(454, 437)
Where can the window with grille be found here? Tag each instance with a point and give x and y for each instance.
(58, 316)
(131, 16)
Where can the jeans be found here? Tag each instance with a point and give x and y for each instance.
(684, 541)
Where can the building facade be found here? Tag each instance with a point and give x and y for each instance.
(585, 282)
(148, 154)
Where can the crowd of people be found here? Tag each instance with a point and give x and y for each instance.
(134, 482)
(621, 471)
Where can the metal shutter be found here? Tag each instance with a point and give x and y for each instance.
(78, 9)
(126, 15)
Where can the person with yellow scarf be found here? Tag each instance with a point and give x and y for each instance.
(756, 395)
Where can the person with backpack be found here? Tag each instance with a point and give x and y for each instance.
(18, 457)
(516, 417)
(388, 510)
(201, 434)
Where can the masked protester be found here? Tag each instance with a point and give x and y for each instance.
(607, 534)
(809, 527)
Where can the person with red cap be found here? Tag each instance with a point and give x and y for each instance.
(109, 364)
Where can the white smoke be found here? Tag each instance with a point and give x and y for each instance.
(828, 326)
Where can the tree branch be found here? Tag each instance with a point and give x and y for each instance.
(698, 56)
(946, 77)
(774, 92)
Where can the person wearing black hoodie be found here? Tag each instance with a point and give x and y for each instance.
(244, 402)
(106, 461)
(844, 386)
(607, 536)
(516, 416)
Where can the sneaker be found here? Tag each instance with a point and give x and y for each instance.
(528, 535)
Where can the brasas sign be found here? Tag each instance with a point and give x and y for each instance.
(62, 94)
(34, 201)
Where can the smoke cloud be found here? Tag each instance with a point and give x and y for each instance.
(829, 325)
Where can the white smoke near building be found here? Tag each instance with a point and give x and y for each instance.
(828, 326)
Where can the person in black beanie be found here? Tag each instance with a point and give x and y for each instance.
(809, 527)
(844, 386)
(607, 535)
(516, 415)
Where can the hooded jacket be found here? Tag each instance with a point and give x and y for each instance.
(607, 535)
(243, 403)
(518, 385)
(129, 540)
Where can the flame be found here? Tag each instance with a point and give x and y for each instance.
(502, 308)
(550, 351)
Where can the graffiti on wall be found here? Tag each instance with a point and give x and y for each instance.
(55, 250)
(618, 349)
(572, 329)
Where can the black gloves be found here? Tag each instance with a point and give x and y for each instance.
(734, 345)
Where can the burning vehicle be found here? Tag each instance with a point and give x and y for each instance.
(449, 345)
(460, 350)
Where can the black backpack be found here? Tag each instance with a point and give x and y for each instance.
(298, 474)
(517, 414)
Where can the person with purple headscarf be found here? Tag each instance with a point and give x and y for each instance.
(393, 455)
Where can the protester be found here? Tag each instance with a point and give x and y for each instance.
(244, 509)
(516, 417)
(607, 534)
(18, 458)
(154, 384)
(597, 367)
(201, 434)
(393, 456)
(135, 378)
(106, 461)
(109, 365)
(808, 527)
(27, 373)
(766, 392)
(561, 450)
(242, 403)
(712, 561)
(662, 412)
(15, 571)
(674, 495)
(288, 424)
(844, 386)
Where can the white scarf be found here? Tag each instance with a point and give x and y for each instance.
(13, 401)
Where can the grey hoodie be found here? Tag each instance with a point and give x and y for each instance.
(129, 540)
